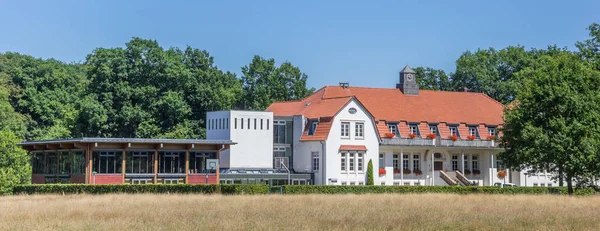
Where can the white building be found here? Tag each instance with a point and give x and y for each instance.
(412, 137)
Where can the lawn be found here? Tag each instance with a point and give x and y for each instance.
(299, 212)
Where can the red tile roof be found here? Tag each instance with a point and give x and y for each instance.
(353, 148)
(390, 104)
(321, 132)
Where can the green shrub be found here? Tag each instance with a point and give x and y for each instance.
(370, 179)
(244, 189)
(121, 188)
(334, 189)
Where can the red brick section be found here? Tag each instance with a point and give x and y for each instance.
(201, 179)
(382, 128)
(403, 129)
(107, 179)
(353, 148)
(38, 179)
(444, 130)
(463, 131)
(77, 179)
(424, 129)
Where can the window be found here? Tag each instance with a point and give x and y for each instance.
(382, 183)
(499, 165)
(78, 162)
(474, 163)
(279, 131)
(393, 128)
(381, 160)
(234, 123)
(361, 183)
(313, 128)
(227, 123)
(360, 162)
(345, 130)
(454, 162)
(473, 131)
(315, 162)
(359, 130)
(405, 162)
(543, 185)
(261, 124)
(219, 123)
(535, 184)
(198, 161)
(343, 182)
(242, 123)
(107, 162)
(343, 162)
(249, 123)
(255, 123)
(352, 183)
(416, 162)
(549, 184)
(139, 162)
(351, 162)
(414, 129)
(171, 162)
(453, 131)
(491, 131)
(396, 161)
(64, 162)
(268, 124)
(432, 129)
(466, 164)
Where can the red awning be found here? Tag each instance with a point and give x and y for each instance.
(353, 148)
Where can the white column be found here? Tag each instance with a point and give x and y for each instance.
(432, 170)
(491, 169)
(462, 161)
(401, 167)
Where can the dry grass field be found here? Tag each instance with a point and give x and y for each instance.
(299, 212)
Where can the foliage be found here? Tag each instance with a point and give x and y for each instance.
(432, 79)
(334, 189)
(431, 136)
(264, 83)
(146, 188)
(370, 177)
(554, 125)
(589, 50)
(14, 163)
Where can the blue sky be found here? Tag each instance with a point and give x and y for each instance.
(363, 43)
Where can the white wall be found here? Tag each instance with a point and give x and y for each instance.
(332, 156)
(254, 144)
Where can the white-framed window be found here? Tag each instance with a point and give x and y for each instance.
(453, 131)
(315, 162)
(549, 184)
(345, 133)
(343, 182)
(475, 162)
(352, 183)
(432, 129)
(405, 162)
(261, 124)
(343, 162)
(383, 183)
(360, 162)
(381, 160)
(535, 184)
(351, 162)
(279, 131)
(249, 124)
(492, 131)
(416, 162)
(398, 183)
(241, 123)
(543, 185)
(473, 131)
(234, 123)
(393, 128)
(359, 130)
(454, 162)
(361, 183)
(313, 128)
(466, 164)
(414, 129)
(396, 161)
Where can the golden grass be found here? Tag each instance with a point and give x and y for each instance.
(299, 212)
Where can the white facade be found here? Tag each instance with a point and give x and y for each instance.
(251, 130)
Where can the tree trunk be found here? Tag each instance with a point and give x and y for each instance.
(560, 177)
(570, 185)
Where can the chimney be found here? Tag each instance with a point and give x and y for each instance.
(344, 84)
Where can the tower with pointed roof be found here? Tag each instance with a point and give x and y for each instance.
(408, 82)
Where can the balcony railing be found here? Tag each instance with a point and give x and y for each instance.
(408, 142)
(438, 142)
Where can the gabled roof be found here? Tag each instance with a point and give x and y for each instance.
(390, 104)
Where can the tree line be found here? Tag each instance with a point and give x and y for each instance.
(146, 90)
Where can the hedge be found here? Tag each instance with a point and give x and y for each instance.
(145, 188)
(330, 189)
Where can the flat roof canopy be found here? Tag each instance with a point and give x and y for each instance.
(120, 142)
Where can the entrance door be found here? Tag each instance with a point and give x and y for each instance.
(438, 165)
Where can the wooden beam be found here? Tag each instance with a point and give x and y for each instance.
(155, 166)
(187, 164)
(123, 162)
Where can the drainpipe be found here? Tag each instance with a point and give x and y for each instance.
(324, 169)
(432, 171)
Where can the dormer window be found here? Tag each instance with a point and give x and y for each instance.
(432, 129)
(393, 128)
(414, 129)
(473, 131)
(492, 131)
(453, 131)
(313, 128)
